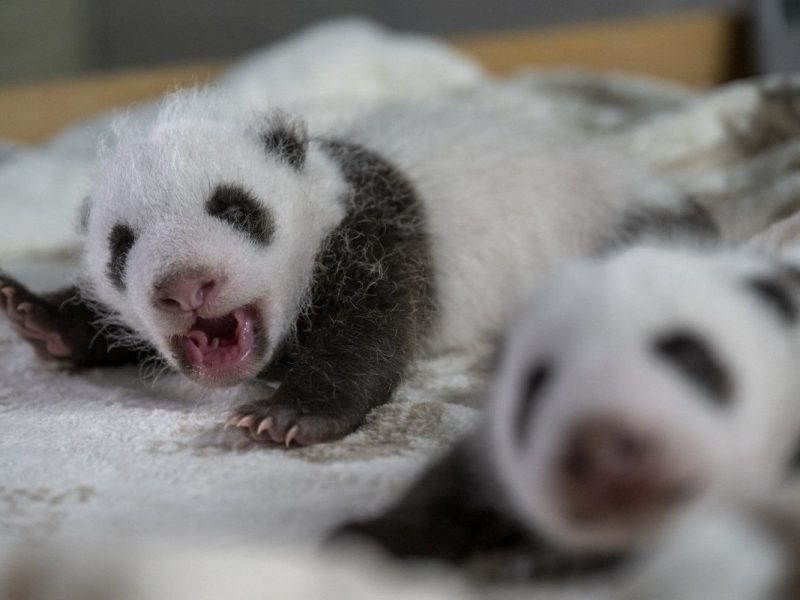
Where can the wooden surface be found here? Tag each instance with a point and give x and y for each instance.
(695, 48)
(699, 49)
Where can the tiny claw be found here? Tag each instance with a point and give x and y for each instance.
(25, 307)
(232, 420)
(264, 425)
(8, 292)
(291, 435)
(246, 422)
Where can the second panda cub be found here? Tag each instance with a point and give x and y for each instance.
(628, 389)
(234, 245)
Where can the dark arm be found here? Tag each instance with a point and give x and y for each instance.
(371, 304)
(62, 326)
(456, 512)
(446, 515)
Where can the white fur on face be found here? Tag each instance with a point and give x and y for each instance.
(595, 326)
(158, 182)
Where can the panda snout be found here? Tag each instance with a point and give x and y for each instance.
(186, 292)
(610, 471)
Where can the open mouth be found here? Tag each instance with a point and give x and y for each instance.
(220, 350)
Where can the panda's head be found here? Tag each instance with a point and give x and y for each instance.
(202, 230)
(634, 385)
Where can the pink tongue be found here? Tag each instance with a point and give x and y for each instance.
(229, 348)
(194, 345)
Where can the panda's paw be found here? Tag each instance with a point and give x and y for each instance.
(287, 425)
(32, 319)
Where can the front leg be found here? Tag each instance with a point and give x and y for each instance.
(370, 306)
(456, 512)
(333, 379)
(60, 326)
(452, 513)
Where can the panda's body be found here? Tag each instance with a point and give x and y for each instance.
(629, 389)
(505, 198)
(235, 245)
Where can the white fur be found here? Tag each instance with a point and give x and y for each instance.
(157, 181)
(716, 551)
(505, 198)
(595, 324)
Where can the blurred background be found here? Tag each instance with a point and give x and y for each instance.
(62, 61)
(41, 39)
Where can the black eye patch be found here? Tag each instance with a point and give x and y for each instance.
(774, 294)
(693, 358)
(239, 209)
(531, 390)
(120, 242)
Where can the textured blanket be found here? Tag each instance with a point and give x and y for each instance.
(124, 455)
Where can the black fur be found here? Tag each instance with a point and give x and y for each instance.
(371, 304)
(455, 513)
(690, 223)
(77, 323)
(693, 357)
(239, 209)
(776, 296)
(120, 241)
(287, 141)
(538, 377)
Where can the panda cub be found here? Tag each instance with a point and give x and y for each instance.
(232, 246)
(627, 390)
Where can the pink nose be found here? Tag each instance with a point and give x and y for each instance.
(608, 469)
(186, 294)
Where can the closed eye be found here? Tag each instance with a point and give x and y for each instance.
(689, 354)
(239, 209)
(531, 390)
(120, 241)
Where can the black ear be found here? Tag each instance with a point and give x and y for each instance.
(287, 139)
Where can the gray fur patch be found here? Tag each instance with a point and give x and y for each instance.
(689, 223)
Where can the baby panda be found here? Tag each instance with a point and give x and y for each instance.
(628, 390)
(234, 246)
